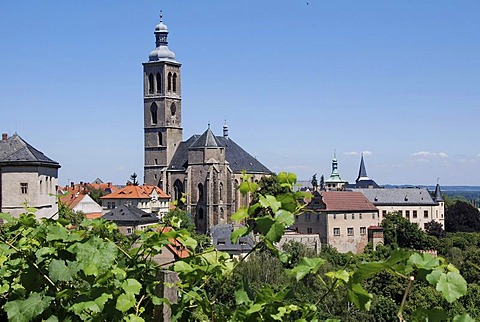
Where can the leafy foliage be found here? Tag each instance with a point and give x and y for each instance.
(50, 272)
(462, 217)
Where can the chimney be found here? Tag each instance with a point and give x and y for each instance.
(4, 136)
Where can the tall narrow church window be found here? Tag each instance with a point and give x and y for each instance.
(153, 112)
(159, 83)
(160, 138)
(222, 215)
(221, 191)
(200, 214)
(174, 82)
(150, 83)
(200, 192)
(173, 109)
(169, 81)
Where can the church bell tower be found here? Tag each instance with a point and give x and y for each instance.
(162, 108)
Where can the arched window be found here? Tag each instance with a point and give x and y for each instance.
(173, 109)
(220, 191)
(222, 215)
(150, 83)
(159, 83)
(178, 192)
(160, 139)
(200, 192)
(169, 81)
(200, 213)
(174, 82)
(153, 112)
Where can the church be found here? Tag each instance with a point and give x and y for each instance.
(205, 169)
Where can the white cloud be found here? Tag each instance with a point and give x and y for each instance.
(428, 154)
(355, 153)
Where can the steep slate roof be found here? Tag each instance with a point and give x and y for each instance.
(362, 172)
(438, 194)
(206, 140)
(346, 201)
(222, 242)
(398, 196)
(130, 216)
(136, 192)
(16, 150)
(238, 159)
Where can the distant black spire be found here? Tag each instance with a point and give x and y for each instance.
(438, 194)
(362, 173)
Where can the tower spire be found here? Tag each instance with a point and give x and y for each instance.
(362, 172)
(225, 129)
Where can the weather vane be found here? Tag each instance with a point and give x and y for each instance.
(161, 16)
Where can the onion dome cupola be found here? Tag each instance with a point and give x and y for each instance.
(161, 52)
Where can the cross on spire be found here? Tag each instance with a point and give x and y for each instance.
(161, 16)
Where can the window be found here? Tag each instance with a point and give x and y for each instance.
(243, 241)
(173, 109)
(221, 214)
(307, 217)
(384, 213)
(373, 215)
(153, 113)
(350, 231)
(425, 214)
(414, 214)
(174, 82)
(363, 230)
(159, 83)
(334, 216)
(23, 188)
(221, 241)
(360, 216)
(41, 187)
(220, 191)
(150, 83)
(353, 216)
(345, 216)
(336, 231)
(309, 230)
(160, 138)
(318, 217)
(407, 214)
(169, 85)
(129, 231)
(110, 204)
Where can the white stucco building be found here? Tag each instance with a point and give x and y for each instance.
(27, 178)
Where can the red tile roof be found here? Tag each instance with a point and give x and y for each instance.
(176, 246)
(346, 201)
(136, 192)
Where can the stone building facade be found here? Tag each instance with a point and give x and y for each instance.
(414, 204)
(206, 169)
(27, 177)
(342, 219)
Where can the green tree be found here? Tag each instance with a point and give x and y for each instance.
(66, 213)
(400, 232)
(314, 181)
(434, 228)
(96, 194)
(462, 216)
(133, 179)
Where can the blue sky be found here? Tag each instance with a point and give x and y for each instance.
(296, 81)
